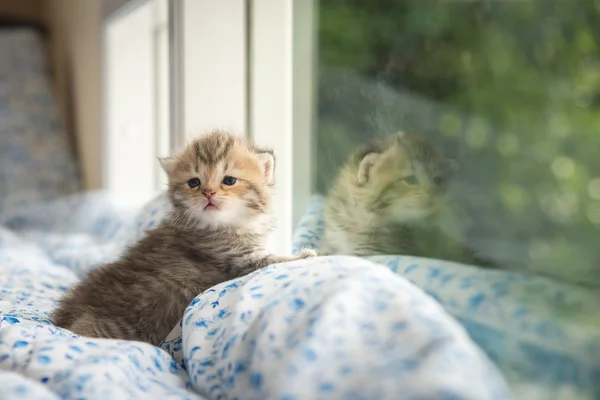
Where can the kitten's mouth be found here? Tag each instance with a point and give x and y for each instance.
(210, 207)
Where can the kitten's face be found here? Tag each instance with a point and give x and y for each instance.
(408, 180)
(220, 181)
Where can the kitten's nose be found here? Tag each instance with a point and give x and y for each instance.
(208, 192)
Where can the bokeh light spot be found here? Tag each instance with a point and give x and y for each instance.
(563, 167)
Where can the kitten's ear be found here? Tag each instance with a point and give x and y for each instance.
(365, 166)
(401, 139)
(167, 164)
(267, 161)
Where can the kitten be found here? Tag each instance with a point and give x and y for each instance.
(386, 201)
(219, 187)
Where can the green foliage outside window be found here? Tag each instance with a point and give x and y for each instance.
(509, 88)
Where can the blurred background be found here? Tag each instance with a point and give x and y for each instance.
(510, 89)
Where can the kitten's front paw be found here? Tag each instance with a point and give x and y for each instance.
(307, 253)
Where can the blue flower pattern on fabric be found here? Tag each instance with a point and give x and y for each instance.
(363, 332)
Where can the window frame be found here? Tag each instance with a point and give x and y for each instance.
(253, 74)
(120, 153)
(282, 102)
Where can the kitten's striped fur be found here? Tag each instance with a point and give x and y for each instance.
(143, 295)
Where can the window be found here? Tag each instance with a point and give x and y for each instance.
(508, 89)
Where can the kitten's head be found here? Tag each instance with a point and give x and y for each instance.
(221, 180)
(405, 177)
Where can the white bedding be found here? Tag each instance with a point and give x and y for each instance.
(334, 327)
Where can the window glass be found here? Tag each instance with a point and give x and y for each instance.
(500, 104)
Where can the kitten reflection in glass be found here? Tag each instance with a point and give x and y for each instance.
(387, 200)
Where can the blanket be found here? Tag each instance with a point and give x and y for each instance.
(322, 328)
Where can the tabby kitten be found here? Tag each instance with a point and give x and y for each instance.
(219, 187)
(386, 200)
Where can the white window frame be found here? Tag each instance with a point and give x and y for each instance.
(281, 101)
(212, 66)
(134, 31)
(246, 66)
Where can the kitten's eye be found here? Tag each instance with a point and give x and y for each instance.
(411, 180)
(194, 182)
(229, 180)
